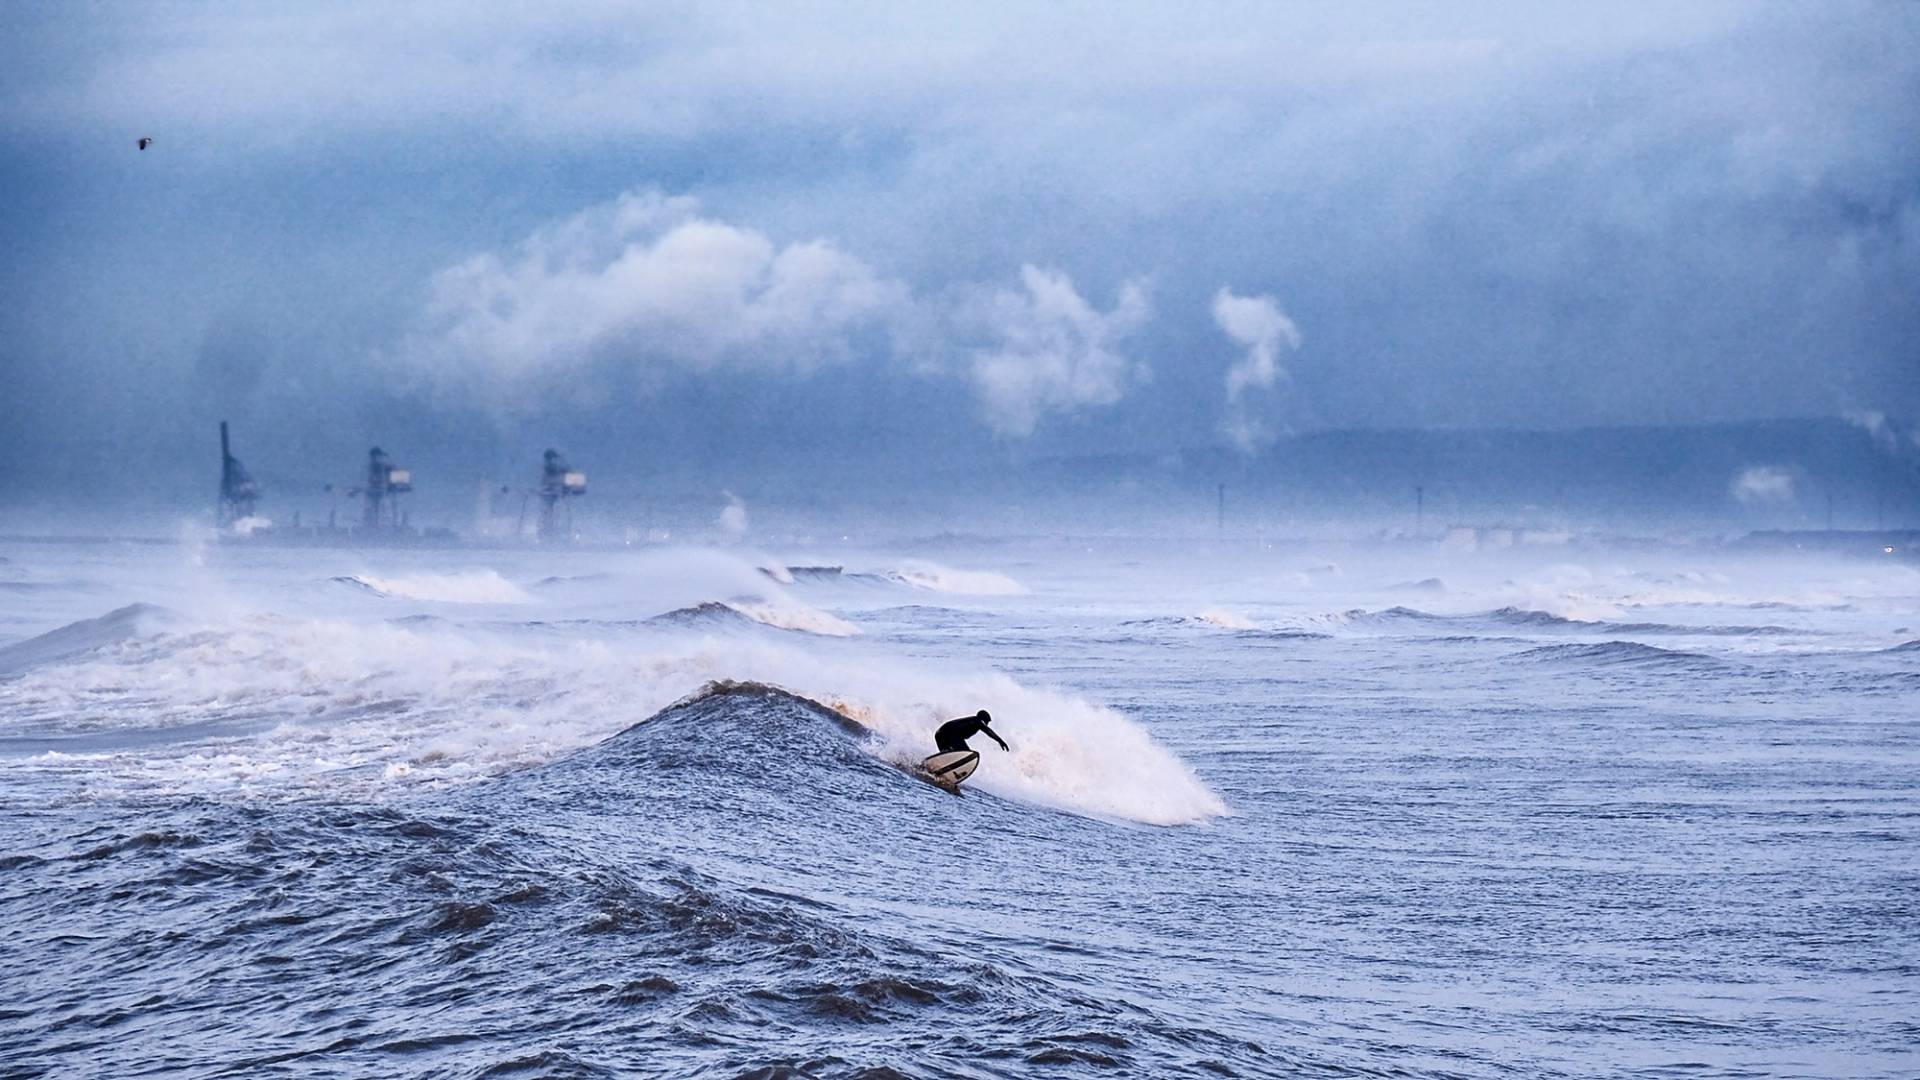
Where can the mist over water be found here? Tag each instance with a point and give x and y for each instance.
(1269, 809)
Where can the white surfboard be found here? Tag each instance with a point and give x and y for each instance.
(951, 767)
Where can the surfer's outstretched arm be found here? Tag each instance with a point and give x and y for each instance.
(998, 739)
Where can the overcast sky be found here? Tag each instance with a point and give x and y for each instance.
(718, 235)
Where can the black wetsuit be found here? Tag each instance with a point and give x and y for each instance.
(953, 734)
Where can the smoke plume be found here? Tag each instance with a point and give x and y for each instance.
(1257, 323)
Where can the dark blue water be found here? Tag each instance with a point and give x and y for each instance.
(465, 820)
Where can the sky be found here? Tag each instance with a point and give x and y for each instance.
(705, 242)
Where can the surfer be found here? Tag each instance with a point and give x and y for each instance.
(953, 734)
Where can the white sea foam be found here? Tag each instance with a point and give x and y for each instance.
(266, 704)
(1066, 752)
(938, 578)
(232, 693)
(795, 617)
(466, 587)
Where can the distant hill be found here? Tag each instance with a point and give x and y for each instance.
(1689, 476)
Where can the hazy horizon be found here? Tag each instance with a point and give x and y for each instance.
(733, 249)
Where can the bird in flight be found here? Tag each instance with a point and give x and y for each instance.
(144, 143)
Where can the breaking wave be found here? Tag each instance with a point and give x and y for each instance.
(1227, 620)
(748, 612)
(83, 638)
(933, 576)
(1223, 620)
(1066, 753)
(918, 574)
(802, 619)
(819, 575)
(133, 702)
(682, 949)
(471, 587)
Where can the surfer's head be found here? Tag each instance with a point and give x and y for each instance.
(983, 717)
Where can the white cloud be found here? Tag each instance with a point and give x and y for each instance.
(1052, 351)
(642, 281)
(1257, 323)
(1762, 484)
(647, 283)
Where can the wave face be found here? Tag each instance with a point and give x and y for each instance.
(587, 926)
(84, 638)
(1514, 620)
(740, 613)
(576, 813)
(312, 705)
(1615, 653)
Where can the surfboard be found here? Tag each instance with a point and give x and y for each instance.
(950, 768)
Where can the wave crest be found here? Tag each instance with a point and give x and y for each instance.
(1066, 753)
(271, 705)
(83, 638)
(467, 587)
(917, 573)
(1618, 653)
(742, 613)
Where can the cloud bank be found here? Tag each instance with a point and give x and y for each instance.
(1488, 215)
(647, 283)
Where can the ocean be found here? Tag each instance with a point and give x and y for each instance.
(1270, 810)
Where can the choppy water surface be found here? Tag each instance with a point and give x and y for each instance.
(1269, 811)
